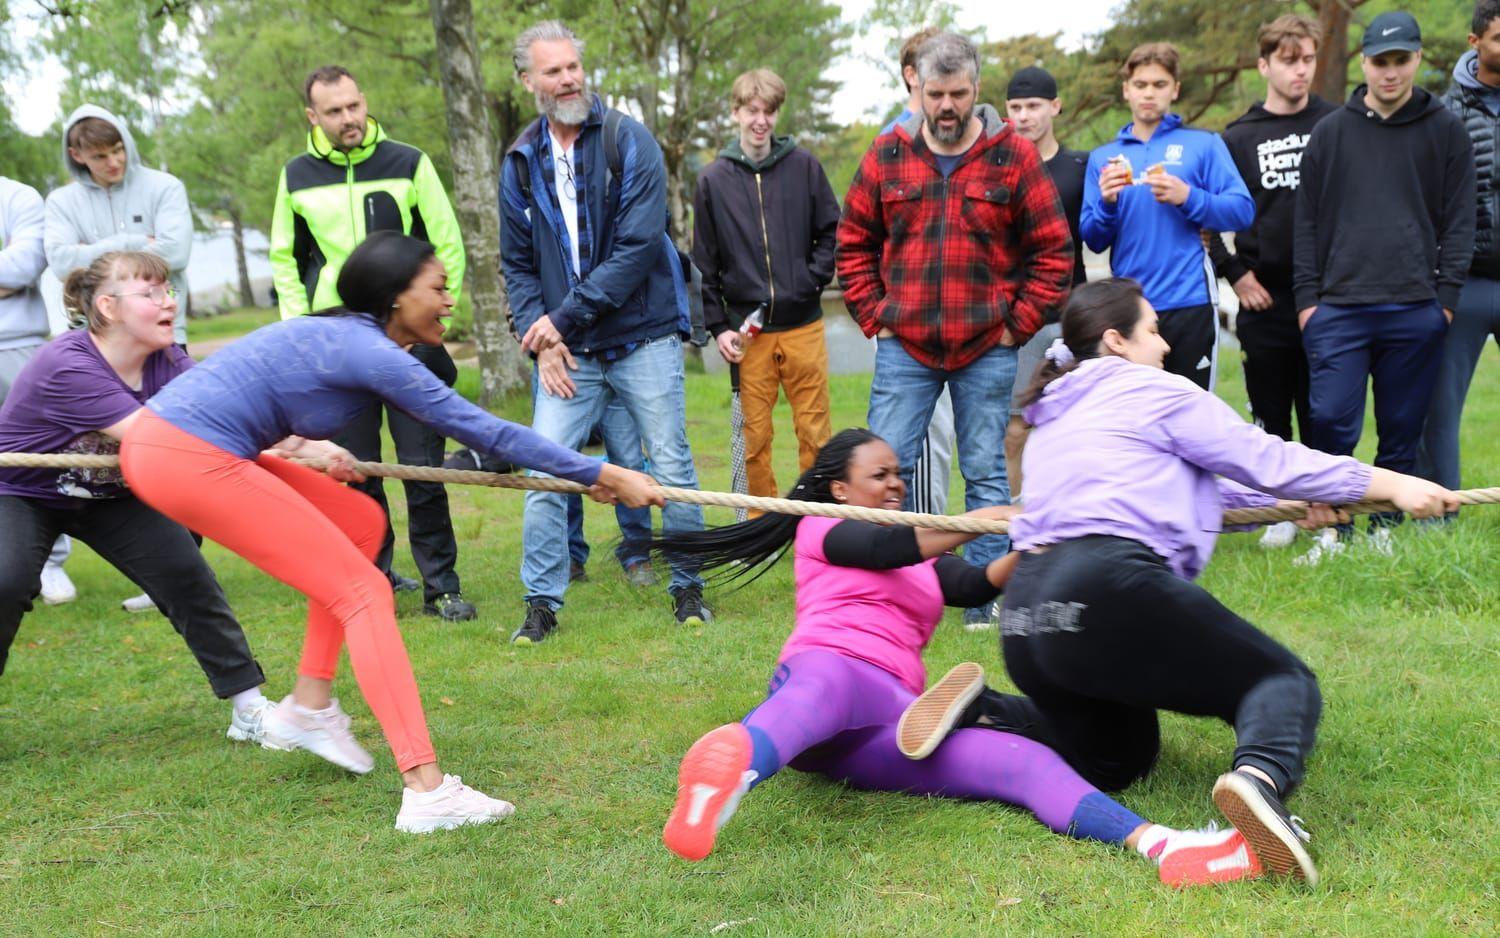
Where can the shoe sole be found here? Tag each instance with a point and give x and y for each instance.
(709, 776)
(53, 601)
(236, 735)
(693, 620)
(1277, 846)
(1194, 866)
(927, 720)
(270, 740)
(428, 825)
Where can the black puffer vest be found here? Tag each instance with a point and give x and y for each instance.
(1484, 131)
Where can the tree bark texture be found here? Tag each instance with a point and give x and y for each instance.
(1331, 76)
(502, 366)
(247, 295)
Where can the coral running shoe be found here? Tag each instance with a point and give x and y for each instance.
(1202, 857)
(714, 775)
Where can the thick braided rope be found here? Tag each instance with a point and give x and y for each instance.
(785, 506)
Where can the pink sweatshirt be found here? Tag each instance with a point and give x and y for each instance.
(884, 617)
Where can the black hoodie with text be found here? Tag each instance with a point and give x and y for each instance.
(1385, 210)
(1267, 150)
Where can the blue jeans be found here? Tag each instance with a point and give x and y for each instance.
(1476, 319)
(649, 384)
(902, 396)
(622, 446)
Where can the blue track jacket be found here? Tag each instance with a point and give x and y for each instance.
(1157, 243)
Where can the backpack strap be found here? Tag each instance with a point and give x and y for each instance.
(613, 163)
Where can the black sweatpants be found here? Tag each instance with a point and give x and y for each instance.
(1275, 364)
(429, 526)
(156, 553)
(1099, 635)
(1193, 334)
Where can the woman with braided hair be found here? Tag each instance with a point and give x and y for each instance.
(868, 599)
(1129, 470)
(198, 455)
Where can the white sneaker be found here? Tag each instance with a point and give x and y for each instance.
(249, 725)
(1327, 544)
(56, 587)
(141, 603)
(451, 804)
(1279, 535)
(1381, 541)
(323, 733)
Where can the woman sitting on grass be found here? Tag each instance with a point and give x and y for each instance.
(868, 599)
(196, 455)
(1102, 625)
(77, 396)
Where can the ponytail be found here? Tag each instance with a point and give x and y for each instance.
(1093, 309)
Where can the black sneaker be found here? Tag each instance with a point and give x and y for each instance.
(403, 584)
(1276, 836)
(452, 607)
(577, 573)
(689, 607)
(540, 622)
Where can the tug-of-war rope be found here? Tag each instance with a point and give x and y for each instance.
(784, 506)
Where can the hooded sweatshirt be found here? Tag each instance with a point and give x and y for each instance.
(1131, 451)
(1478, 106)
(23, 315)
(1385, 212)
(764, 233)
(1267, 150)
(85, 220)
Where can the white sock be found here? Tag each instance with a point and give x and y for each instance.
(247, 699)
(1153, 839)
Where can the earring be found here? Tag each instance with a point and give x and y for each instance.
(395, 306)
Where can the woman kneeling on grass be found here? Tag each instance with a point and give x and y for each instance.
(196, 456)
(1102, 625)
(75, 397)
(868, 599)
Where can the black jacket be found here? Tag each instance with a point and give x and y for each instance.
(1484, 134)
(764, 233)
(1267, 150)
(1385, 211)
(1067, 168)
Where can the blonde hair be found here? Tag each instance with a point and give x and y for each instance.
(758, 83)
(82, 285)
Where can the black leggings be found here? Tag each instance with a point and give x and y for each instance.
(1099, 635)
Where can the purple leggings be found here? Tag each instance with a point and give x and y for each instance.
(837, 715)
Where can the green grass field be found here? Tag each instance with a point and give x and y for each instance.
(123, 808)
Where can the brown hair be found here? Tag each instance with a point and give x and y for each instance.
(91, 132)
(911, 47)
(1093, 309)
(324, 75)
(1288, 29)
(82, 285)
(1151, 53)
(758, 83)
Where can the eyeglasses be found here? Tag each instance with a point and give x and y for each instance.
(158, 294)
(568, 185)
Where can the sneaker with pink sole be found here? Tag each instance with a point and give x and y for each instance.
(451, 804)
(324, 733)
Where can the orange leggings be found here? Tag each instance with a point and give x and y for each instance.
(306, 530)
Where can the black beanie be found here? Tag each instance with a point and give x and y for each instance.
(1032, 82)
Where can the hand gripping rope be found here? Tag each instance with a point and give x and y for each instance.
(783, 506)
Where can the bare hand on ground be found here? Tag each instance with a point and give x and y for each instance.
(730, 347)
(1252, 295)
(552, 367)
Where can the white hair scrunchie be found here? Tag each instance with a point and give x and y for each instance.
(1059, 354)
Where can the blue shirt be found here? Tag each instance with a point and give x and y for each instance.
(312, 375)
(1157, 243)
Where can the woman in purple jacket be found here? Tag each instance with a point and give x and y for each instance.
(1128, 472)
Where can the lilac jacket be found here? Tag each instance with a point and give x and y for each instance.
(1132, 451)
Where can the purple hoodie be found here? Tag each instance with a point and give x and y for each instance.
(1132, 451)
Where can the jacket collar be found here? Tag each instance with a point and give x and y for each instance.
(319, 145)
(1169, 123)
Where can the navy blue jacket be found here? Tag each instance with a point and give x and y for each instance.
(635, 288)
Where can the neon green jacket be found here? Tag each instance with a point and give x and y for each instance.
(328, 201)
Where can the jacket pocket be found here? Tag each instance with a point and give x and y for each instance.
(985, 208)
(901, 206)
(382, 213)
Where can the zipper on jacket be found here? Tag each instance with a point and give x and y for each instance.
(942, 238)
(349, 184)
(766, 240)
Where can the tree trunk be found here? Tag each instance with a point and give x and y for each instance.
(1331, 77)
(502, 367)
(247, 295)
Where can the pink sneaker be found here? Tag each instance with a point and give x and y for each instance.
(451, 804)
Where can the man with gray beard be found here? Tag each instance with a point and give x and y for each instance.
(599, 298)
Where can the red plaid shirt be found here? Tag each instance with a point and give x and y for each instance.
(953, 266)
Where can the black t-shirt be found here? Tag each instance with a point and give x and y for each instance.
(1066, 169)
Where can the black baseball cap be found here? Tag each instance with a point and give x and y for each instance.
(1032, 82)
(1392, 32)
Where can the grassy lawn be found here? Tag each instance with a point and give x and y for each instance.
(232, 324)
(122, 807)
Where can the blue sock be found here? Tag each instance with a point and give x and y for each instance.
(764, 760)
(1100, 817)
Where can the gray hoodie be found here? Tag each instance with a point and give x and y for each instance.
(23, 316)
(85, 220)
